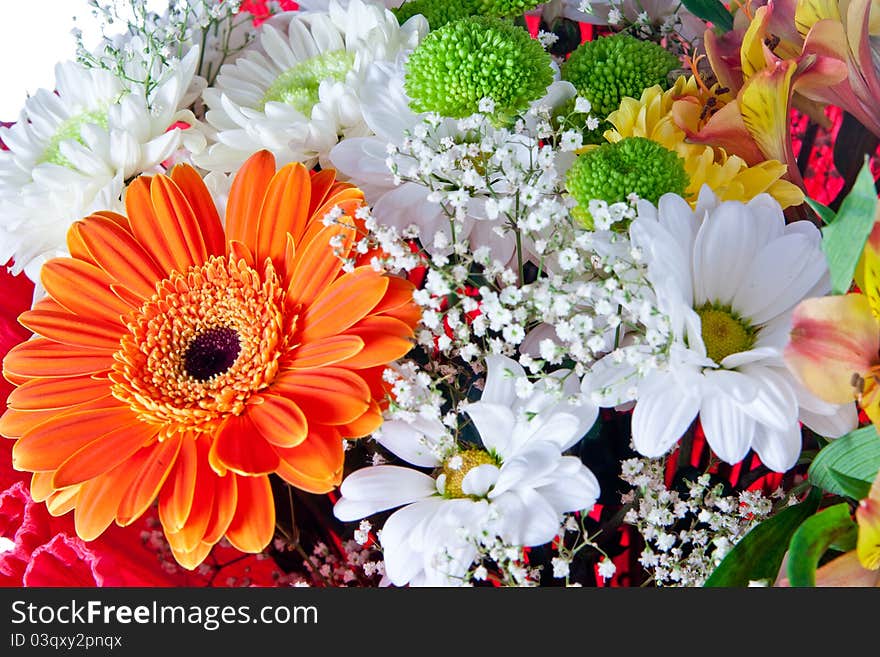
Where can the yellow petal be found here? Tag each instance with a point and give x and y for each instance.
(868, 517)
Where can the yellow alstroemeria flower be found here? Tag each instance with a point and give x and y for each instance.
(654, 115)
(769, 70)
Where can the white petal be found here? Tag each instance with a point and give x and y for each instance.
(729, 431)
(370, 490)
(411, 441)
(775, 404)
(573, 487)
(494, 423)
(527, 468)
(402, 562)
(479, 480)
(778, 450)
(526, 518)
(780, 275)
(735, 385)
(662, 414)
(501, 380)
(722, 254)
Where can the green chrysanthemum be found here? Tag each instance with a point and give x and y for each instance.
(612, 172)
(463, 62)
(607, 69)
(439, 14)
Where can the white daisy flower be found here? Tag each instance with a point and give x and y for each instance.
(516, 485)
(386, 110)
(78, 143)
(728, 276)
(296, 92)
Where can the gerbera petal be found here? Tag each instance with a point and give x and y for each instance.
(83, 289)
(240, 447)
(253, 524)
(104, 453)
(344, 303)
(191, 559)
(316, 266)
(385, 339)
(120, 255)
(284, 210)
(74, 330)
(321, 353)
(319, 457)
(330, 395)
(322, 182)
(97, 502)
(202, 503)
(833, 338)
(364, 425)
(146, 227)
(51, 394)
(193, 188)
(225, 501)
(246, 197)
(47, 444)
(61, 501)
(176, 497)
(15, 423)
(279, 419)
(40, 357)
(156, 461)
(178, 223)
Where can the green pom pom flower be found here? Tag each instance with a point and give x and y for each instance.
(439, 14)
(463, 62)
(607, 69)
(612, 172)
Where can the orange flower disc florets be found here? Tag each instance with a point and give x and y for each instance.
(201, 345)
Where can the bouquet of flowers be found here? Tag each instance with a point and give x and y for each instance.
(476, 292)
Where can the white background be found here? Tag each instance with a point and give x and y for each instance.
(34, 36)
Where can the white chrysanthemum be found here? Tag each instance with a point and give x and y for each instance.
(386, 110)
(516, 485)
(296, 93)
(78, 144)
(728, 276)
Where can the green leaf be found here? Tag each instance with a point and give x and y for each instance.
(826, 214)
(849, 464)
(760, 552)
(852, 487)
(812, 540)
(844, 239)
(711, 10)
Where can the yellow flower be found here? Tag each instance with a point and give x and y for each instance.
(664, 117)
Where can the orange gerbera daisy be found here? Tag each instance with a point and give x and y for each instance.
(175, 360)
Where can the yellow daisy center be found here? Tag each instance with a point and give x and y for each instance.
(456, 467)
(724, 333)
(199, 348)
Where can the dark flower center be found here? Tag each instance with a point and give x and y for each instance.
(211, 353)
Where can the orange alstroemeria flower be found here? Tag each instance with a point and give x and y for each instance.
(177, 360)
(834, 346)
